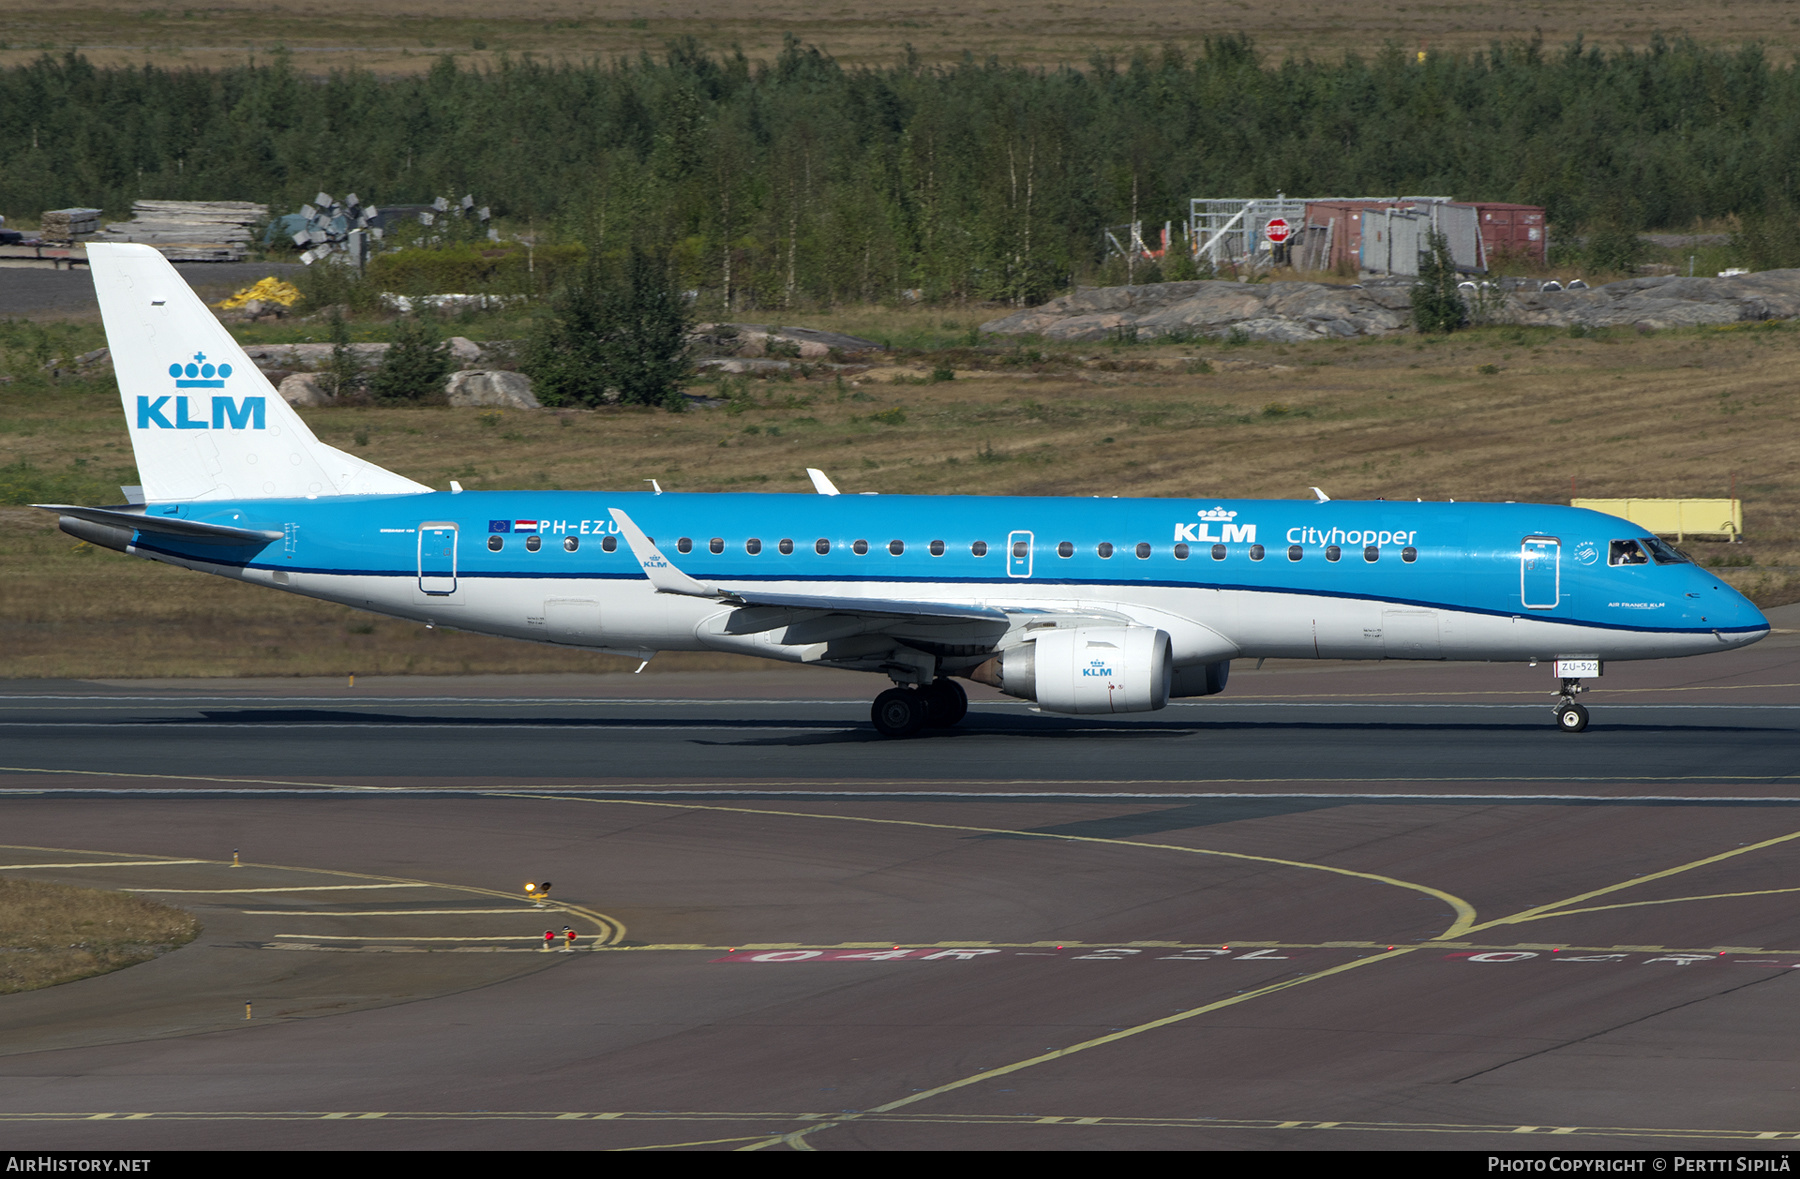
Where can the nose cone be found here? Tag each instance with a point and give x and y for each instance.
(1734, 618)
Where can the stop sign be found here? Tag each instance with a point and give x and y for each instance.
(1277, 230)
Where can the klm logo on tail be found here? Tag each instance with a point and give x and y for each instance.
(227, 413)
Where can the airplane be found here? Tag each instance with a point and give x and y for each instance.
(1080, 605)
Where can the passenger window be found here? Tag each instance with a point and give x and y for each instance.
(1218, 552)
(896, 547)
(1333, 553)
(571, 543)
(495, 544)
(1105, 550)
(937, 548)
(1371, 554)
(786, 547)
(1295, 552)
(860, 547)
(533, 543)
(684, 545)
(1181, 552)
(1409, 554)
(978, 549)
(753, 546)
(1626, 552)
(1143, 550)
(1065, 550)
(717, 545)
(607, 544)
(1020, 549)
(821, 546)
(1256, 552)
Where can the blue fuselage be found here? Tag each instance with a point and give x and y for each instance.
(1274, 577)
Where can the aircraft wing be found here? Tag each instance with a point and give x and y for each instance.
(889, 606)
(669, 580)
(192, 531)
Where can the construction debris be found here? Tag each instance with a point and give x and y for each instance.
(190, 231)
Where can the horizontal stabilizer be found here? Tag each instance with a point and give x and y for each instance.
(192, 531)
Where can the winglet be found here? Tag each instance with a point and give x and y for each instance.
(821, 483)
(664, 576)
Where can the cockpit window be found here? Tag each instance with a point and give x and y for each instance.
(1664, 552)
(1626, 552)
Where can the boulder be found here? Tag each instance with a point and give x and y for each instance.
(305, 389)
(494, 387)
(465, 351)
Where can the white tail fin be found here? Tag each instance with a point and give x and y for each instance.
(205, 423)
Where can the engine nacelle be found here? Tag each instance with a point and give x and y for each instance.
(1087, 669)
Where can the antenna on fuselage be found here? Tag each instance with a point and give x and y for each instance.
(821, 482)
(654, 484)
(1323, 498)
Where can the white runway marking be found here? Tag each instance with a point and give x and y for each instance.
(107, 864)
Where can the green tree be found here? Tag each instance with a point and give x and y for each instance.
(614, 337)
(648, 352)
(1437, 305)
(345, 372)
(415, 364)
(566, 354)
(1768, 240)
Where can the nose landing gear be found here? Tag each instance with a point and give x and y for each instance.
(1570, 716)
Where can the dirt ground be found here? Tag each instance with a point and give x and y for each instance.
(392, 38)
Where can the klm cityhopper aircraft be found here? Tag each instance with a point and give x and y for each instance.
(1081, 605)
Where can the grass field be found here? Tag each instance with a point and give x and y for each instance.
(1495, 414)
(389, 37)
(53, 933)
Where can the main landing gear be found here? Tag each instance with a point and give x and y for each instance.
(1570, 716)
(902, 712)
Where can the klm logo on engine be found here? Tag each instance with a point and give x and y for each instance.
(180, 411)
(1229, 533)
(1098, 668)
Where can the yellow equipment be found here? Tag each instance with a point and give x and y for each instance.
(1680, 518)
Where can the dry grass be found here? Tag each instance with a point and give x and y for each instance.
(53, 933)
(1679, 413)
(391, 38)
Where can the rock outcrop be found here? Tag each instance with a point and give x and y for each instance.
(1295, 311)
(304, 389)
(506, 390)
(465, 352)
(756, 339)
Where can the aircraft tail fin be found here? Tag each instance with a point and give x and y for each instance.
(205, 423)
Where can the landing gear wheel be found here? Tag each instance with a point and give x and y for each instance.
(945, 703)
(899, 712)
(1571, 718)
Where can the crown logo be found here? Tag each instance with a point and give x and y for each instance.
(1216, 514)
(199, 373)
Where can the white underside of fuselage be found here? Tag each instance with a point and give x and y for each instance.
(1204, 625)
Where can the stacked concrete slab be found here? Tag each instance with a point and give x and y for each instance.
(190, 231)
